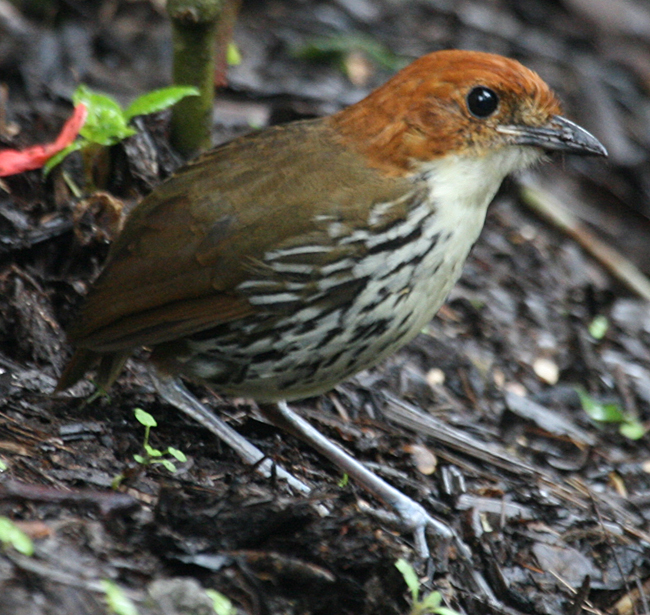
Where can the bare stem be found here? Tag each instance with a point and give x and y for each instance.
(194, 29)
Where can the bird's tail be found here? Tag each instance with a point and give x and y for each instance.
(109, 365)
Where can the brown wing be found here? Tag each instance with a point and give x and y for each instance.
(184, 249)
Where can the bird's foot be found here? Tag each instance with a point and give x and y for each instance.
(411, 516)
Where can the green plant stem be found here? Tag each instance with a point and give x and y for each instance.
(194, 28)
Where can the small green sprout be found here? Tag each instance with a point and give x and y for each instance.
(628, 426)
(12, 536)
(154, 455)
(233, 55)
(221, 604)
(107, 123)
(430, 604)
(598, 327)
(3, 466)
(118, 602)
(345, 480)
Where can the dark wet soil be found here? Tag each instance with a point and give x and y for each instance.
(479, 418)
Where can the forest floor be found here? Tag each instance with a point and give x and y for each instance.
(479, 418)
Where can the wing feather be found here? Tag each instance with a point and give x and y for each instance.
(175, 268)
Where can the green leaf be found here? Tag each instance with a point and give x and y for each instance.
(66, 151)
(345, 479)
(83, 94)
(443, 610)
(634, 430)
(144, 418)
(141, 459)
(233, 57)
(598, 327)
(430, 603)
(3, 466)
(118, 602)
(604, 413)
(151, 451)
(109, 134)
(106, 123)
(157, 100)
(221, 604)
(410, 577)
(167, 464)
(174, 452)
(12, 535)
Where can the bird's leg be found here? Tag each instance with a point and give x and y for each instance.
(171, 389)
(413, 515)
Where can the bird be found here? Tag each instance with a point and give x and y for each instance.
(281, 263)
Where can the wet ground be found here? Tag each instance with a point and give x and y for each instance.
(479, 418)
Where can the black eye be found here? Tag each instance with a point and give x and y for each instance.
(482, 101)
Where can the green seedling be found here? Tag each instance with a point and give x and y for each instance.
(117, 601)
(12, 536)
(221, 604)
(107, 123)
(233, 55)
(154, 455)
(345, 481)
(598, 327)
(628, 426)
(430, 604)
(477, 304)
(3, 466)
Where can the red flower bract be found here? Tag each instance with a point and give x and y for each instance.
(14, 161)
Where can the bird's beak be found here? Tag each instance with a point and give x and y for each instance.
(559, 135)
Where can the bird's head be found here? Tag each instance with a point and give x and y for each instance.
(460, 103)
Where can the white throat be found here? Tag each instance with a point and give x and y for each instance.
(464, 184)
